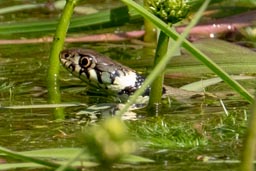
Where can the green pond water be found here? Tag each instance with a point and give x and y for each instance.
(185, 134)
(175, 141)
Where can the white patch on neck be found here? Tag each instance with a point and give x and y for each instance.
(127, 80)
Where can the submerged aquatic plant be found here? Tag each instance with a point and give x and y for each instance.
(170, 11)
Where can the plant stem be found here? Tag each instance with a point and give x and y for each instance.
(54, 64)
(157, 84)
(248, 152)
(150, 29)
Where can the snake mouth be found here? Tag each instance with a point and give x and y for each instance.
(68, 61)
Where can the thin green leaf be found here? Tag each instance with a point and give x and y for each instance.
(41, 106)
(20, 8)
(16, 155)
(202, 84)
(61, 153)
(135, 159)
(100, 18)
(161, 65)
(11, 166)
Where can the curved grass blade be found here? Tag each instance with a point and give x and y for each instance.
(41, 106)
(13, 166)
(161, 65)
(194, 51)
(30, 159)
(202, 84)
(97, 19)
(50, 25)
(20, 8)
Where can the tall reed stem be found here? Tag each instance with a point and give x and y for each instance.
(248, 152)
(157, 84)
(54, 64)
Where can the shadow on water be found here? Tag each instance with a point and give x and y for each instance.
(165, 139)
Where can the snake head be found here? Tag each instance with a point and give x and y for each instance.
(101, 71)
(79, 62)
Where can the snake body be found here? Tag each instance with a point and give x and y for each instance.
(100, 71)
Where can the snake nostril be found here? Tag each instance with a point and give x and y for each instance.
(71, 67)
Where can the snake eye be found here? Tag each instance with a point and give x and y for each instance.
(85, 61)
(66, 55)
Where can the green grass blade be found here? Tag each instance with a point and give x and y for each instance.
(60, 153)
(66, 165)
(135, 159)
(28, 159)
(41, 106)
(161, 65)
(50, 25)
(202, 84)
(20, 8)
(14, 166)
(100, 18)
